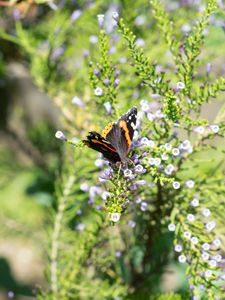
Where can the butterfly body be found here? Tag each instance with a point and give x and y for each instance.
(116, 139)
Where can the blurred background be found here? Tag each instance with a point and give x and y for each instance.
(44, 49)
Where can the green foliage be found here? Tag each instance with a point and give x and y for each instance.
(169, 196)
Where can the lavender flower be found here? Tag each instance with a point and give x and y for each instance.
(100, 21)
(116, 82)
(144, 206)
(131, 223)
(75, 15)
(98, 92)
(106, 81)
(208, 68)
(108, 107)
(57, 52)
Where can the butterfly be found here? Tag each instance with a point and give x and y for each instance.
(116, 139)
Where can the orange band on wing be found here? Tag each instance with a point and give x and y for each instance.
(107, 130)
(123, 125)
(105, 145)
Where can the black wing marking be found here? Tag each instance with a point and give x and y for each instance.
(121, 134)
(97, 142)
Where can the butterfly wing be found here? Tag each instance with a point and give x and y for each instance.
(99, 143)
(120, 134)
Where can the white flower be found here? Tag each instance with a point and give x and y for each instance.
(178, 248)
(151, 143)
(100, 20)
(93, 39)
(190, 217)
(194, 240)
(140, 20)
(175, 151)
(210, 225)
(127, 173)
(138, 169)
(217, 257)
(84, 187)
(98, 91)
(115, 217)
(168, 146)
(199, 129)
(186, 28)
(75, 15)
(164, 156)
(214, 128)
(80, 227)
(182, 258)
(60, 135)
(131, 223)
(144, 141)
(180, 85)
(216, 242)
(212, 263)
(190, 184)
(206, 246)
(187, 235)
(105, 195)
(169, 169)
(195, 203)
(171, 227)
(205, 256)
(74, 140)
(208, 273)
(144, 206)
(157, 161)
(140, 42)
(150, 116)
(99, 162)
(108, 107)
(176, 185)
(77, 101)
(151, 161)
(185, 145)
(206, 212)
